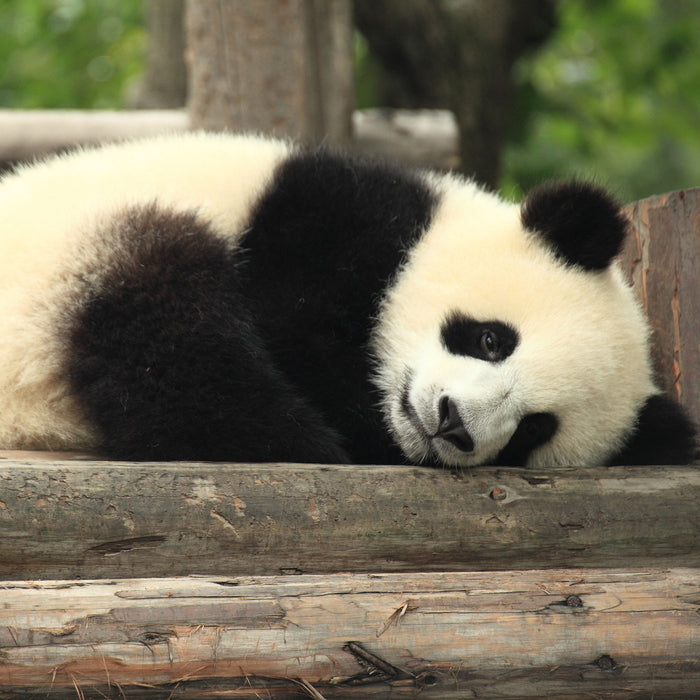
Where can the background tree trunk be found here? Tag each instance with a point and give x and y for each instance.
(456, 54)
(164, 84)
(283, 68)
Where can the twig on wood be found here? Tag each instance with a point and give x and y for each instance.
(394, 618)
(308, 689)
(378, 670)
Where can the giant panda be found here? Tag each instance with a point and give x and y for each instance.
(238, 298)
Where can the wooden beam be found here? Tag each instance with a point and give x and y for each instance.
(424, 138)
(88, 519)
(27, 134)
(579, 633)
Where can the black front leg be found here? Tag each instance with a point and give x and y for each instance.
(167, 360)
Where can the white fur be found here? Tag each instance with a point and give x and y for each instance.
(582, 353)
(47, 207)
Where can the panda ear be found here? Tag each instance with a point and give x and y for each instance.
(580, 221)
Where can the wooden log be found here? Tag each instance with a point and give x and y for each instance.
(662, 258)
(424, 138)
(27, 134)
(578, 633)
(88, 519)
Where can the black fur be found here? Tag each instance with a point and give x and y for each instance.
(663, 435)
(533, 430)
(323, 244)
(581, 222)
(169, 364)
(190, 350)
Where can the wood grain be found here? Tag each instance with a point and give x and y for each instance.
(90, 519)
(586, 633)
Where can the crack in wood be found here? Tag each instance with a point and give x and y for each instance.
(108, 549)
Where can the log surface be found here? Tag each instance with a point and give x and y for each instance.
(583, 633)
(88, 519)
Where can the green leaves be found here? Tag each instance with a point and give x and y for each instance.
(614, 95)
(69, 53)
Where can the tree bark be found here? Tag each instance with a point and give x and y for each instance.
(164, 84)
(457, 55)
(100, 519)
(283, 68)
(662, 259)
(576, 633)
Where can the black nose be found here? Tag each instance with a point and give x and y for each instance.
(451, 427)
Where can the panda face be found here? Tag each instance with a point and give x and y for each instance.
(494, 347)
(461, 404)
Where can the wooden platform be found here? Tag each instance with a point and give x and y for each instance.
(292, 581)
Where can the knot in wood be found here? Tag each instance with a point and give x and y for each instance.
(498, 493)
(605, 662)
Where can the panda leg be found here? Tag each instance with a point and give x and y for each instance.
(168, 363)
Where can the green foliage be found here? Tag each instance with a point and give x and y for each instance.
(614, 95)
(69, 53)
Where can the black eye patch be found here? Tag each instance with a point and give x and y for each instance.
(491, 341)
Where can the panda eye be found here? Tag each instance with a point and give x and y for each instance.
(491, 341)
(489, 344)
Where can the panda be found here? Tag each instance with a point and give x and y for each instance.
(217, 297)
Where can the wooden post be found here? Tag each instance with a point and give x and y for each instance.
(662, 258)
(283, 68)
(530, 634)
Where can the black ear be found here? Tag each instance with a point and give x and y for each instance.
(663, 435)
(582, 222)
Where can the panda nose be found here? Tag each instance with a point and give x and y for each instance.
(451, 427)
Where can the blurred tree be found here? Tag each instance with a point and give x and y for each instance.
(164, 83)
(285, 68)
(69, 53)
(456, 54)
(615, 94)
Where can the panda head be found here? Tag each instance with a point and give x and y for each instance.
(511, 337)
